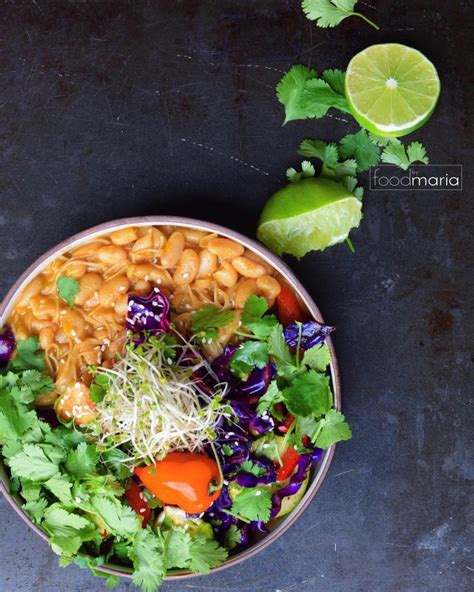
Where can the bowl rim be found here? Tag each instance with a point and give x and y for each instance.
(95, 231)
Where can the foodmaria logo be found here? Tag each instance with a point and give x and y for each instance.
(428, 177)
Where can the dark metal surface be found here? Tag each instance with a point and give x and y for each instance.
(111, 109)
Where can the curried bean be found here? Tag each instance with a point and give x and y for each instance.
(187, 268)
(207, 263)
(32, 289)
(226, 275)
(243, 290)
(112, 254)
(247, 267)
(172, 250)
(225, 248)
(124, 236)
(112, 289)
(89, 284)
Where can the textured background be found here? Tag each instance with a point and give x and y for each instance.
(111, 109)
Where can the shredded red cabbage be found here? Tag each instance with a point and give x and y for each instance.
(148, 315)
(268, 473)
(312, 333)
(7, 346)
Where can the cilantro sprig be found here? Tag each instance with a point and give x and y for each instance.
(330, 13)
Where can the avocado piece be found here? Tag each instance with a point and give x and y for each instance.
(204, 529)
(272, 448)
(289, 503)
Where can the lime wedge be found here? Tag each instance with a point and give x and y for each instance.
(308, 215)
(391, 89)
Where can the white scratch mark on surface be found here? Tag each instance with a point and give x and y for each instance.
(344, 472)
(220, 153)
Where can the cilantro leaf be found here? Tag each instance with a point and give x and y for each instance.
(32, 463)
(255, 306)
(253, 503)
(308, 394)
(327, 153)
(208, 319)
(281, 355)
(147, 555)
(330, 13)
(36, 509)
(205, 554)
(36, 381)
(278, 347)
(60, 522)
(317, 357)
(307, 171)
(113, 459)
(335, 79)
(177, 548)
(118, 518)
(417, 152)
(15, 419)
(68, 288)
(361, 148)
(251, 468)
(269, 398)
(318, 97)
(82, 461)
(28, 356)
(332, 428)
(60, 486)
(379, 140)
(253, 317)
(289, 91)
(249, 355)
(395, 153)
(232, 537)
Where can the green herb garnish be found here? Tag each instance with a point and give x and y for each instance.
(330, 13)
(68, 288)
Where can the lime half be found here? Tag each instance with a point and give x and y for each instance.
(308, 215)
(391, 89)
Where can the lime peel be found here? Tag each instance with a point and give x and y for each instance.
(312, 214)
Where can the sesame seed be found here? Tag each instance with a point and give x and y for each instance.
(266, 445)
(78, 500)
(186, 275)
(258, 493)
(142, 510)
